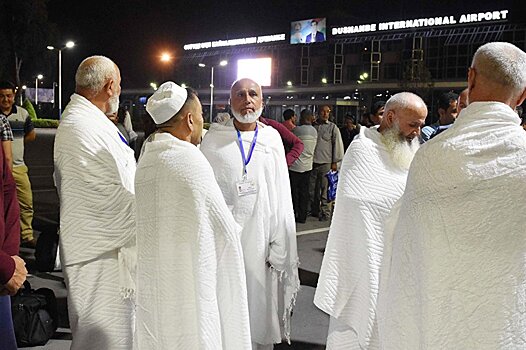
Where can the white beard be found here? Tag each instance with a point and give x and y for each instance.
(248, 118)
(113, 105)
(402, 151)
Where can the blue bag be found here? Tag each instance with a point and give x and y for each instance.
(332, 177)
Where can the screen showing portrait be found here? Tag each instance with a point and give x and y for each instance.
(257, 69)
(308, 31)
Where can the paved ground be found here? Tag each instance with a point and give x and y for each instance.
(309, 325)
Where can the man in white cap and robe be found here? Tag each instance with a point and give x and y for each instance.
(372, 178)
(94, 174)
(454, 274)
(191, 287)
(249, 164)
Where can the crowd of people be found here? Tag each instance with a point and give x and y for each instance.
(195, 247)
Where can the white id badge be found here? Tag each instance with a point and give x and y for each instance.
(245, 187)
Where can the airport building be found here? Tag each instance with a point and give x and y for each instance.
(347, 66)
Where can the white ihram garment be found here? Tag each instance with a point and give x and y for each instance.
(267, 218)
(94, 174)
(191, 288)
(347, 290)
(456, 277)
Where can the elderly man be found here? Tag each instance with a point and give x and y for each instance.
(372, 179)
(249, 164)
(455, 277)
(191, 288)
(328, 152)
(94, 174)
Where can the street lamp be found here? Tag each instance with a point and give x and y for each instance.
(39, 77)
(222, 64)
(68, 45)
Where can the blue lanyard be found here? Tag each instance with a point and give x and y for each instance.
(250, 151)
(123, 139)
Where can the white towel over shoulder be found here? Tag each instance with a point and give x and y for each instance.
(368, 186)
(455, 266)
(191, 289)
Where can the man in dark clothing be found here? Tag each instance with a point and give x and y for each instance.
(350, 129)
(12, 268)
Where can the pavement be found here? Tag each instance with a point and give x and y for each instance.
(309, 324)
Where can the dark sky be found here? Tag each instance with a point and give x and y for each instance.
(133, 33)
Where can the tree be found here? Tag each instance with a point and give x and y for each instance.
(24, 34)
(416, 77)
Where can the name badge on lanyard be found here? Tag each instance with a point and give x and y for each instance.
(246, 185)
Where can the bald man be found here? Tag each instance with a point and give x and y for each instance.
(372, 178)
(249, 165)
(454, 275)
(94, 174)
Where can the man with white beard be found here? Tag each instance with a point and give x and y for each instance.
(372, 179)
(94, 175)
(454, 275)
(249, 165)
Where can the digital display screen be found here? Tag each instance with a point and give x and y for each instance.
(308, 31)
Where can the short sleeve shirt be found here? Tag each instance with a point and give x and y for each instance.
(21, 125)
(5, 132)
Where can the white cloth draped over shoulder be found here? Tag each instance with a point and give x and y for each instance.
(267, 218)
(191, 287)
(454, 275)
(94, 175)
(368, 186)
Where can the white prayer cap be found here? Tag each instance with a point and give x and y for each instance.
(166, 102)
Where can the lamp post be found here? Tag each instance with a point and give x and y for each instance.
(222, 64)
(68, 45)
(38, 77)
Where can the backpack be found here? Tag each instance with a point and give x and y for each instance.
(35, 315)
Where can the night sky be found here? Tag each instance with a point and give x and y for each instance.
(133, 33)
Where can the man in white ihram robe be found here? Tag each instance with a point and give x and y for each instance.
(454, 274)
(372, 179)
(191, 288)
(94, 174)
(261, 204)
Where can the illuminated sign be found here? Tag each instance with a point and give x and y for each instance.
(235, 42)
(257, 69)
(423, 22)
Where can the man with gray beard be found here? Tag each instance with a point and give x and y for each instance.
(249, 165)
(372, 179)
(94, 175)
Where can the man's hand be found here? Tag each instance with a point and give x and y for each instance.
(18, 278)
(334, 166)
